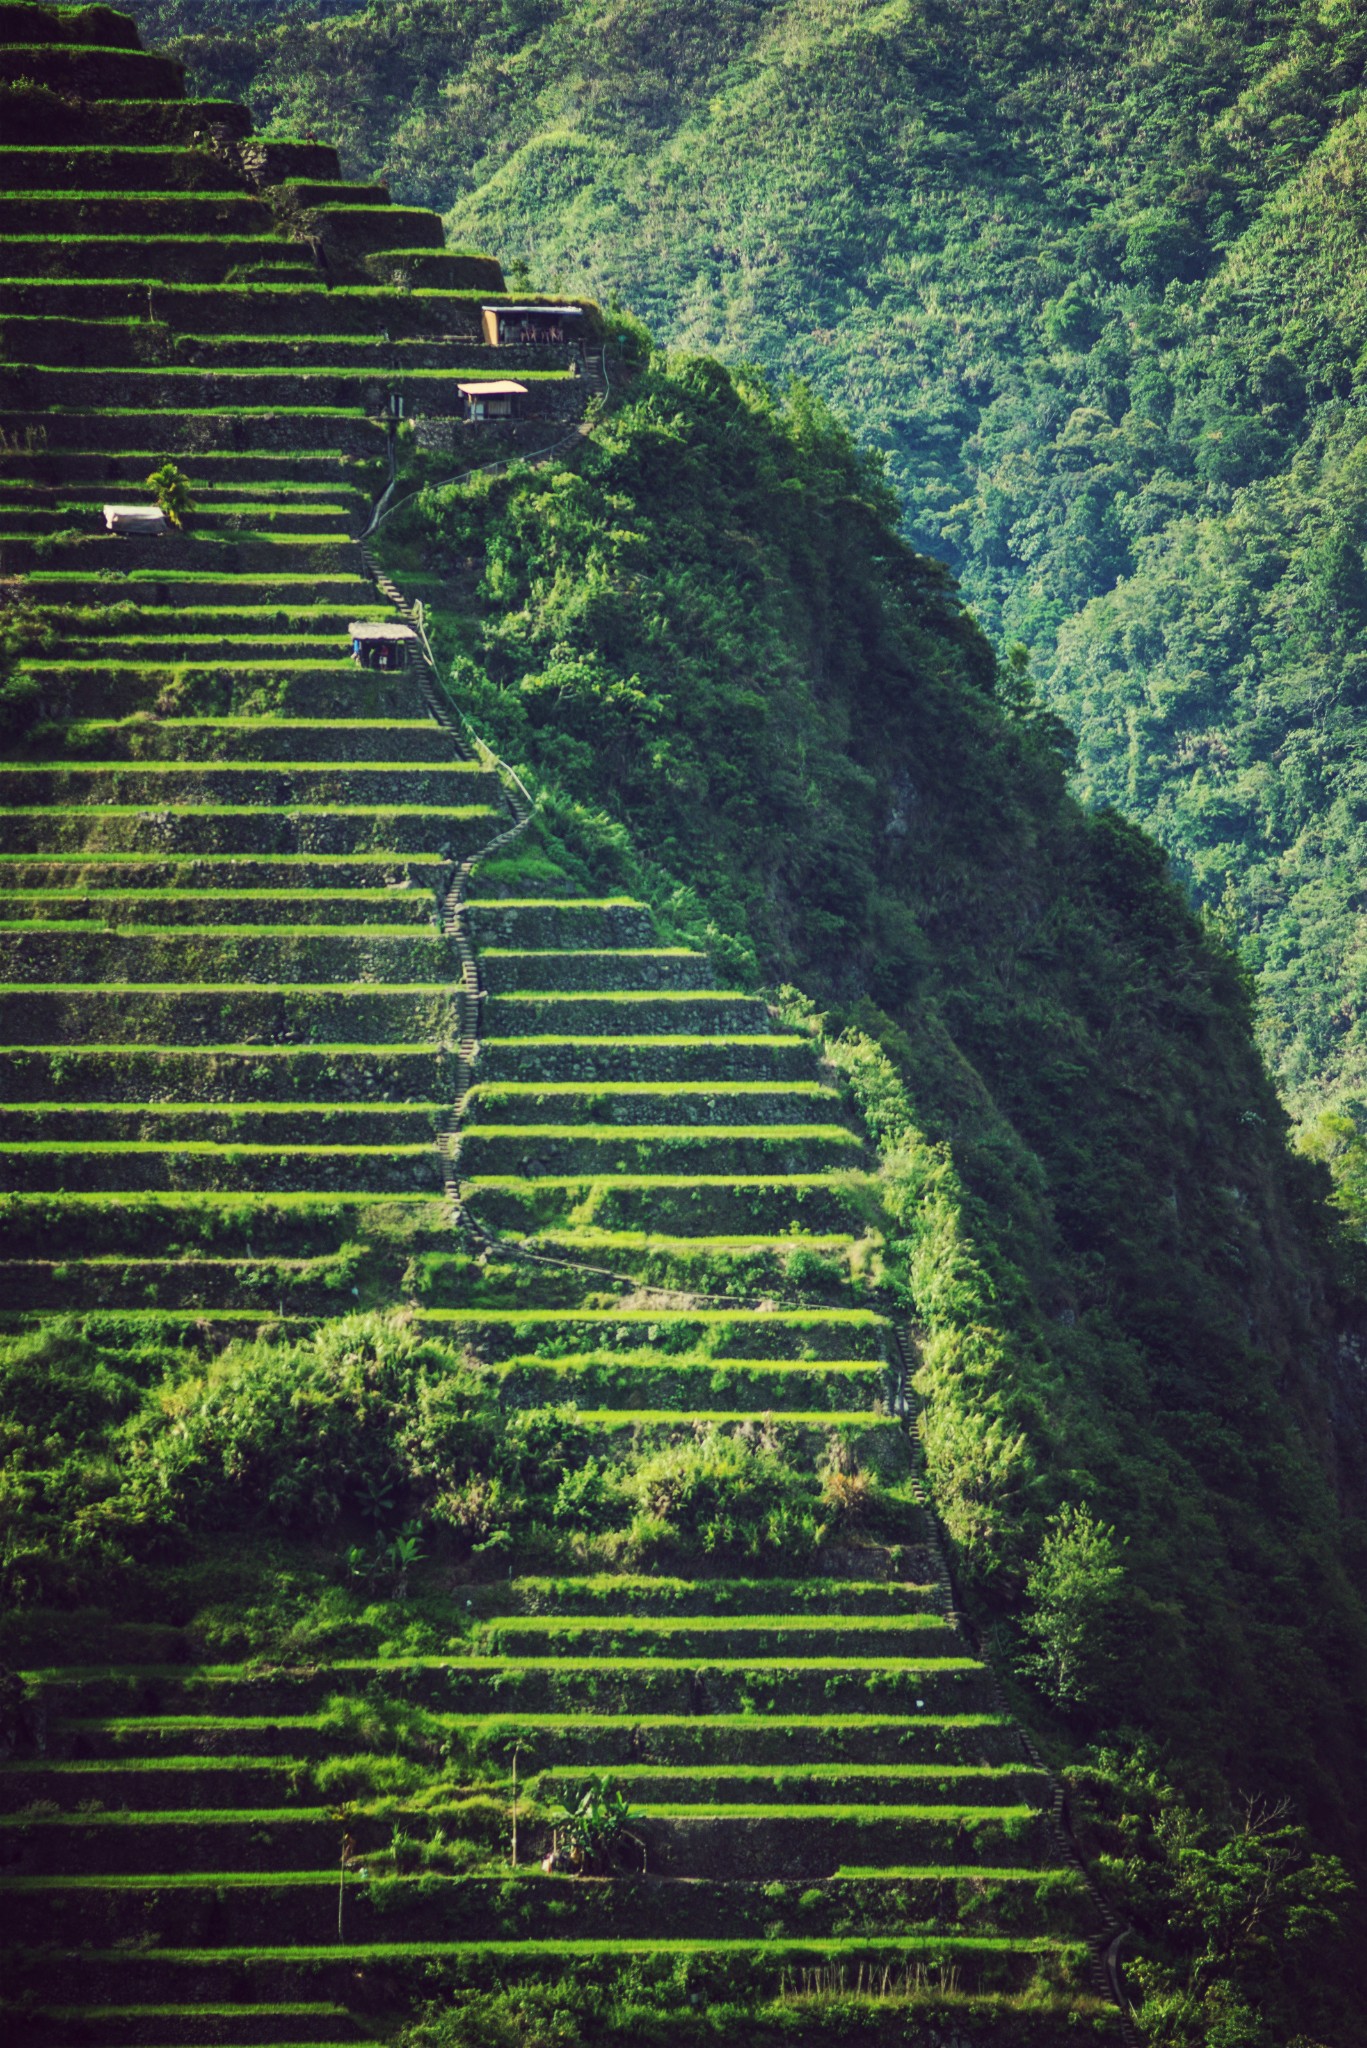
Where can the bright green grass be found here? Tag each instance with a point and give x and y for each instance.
(561, 1583)
(595, 952)
(784, 1773)
(274, 988)
(788, 1318)
(612, 1134)
(640, 1240)
(690, 1361)
(227, 1674)
(199, 193)
(187, 1724)
(143, 1817)
(491, 1091)
(350, 413)
(179, 1880)
(614, 995)
(195, 1260)
(329, 585)
(257, 1202)
(701, 1362)
(845, 1177)
(713, 1624)
(253, 724)
(211, 503)
(966, 1873)
(101, 859)
(106, 1146)
(689, 1038)
(284, 665)
(251, 1049)
(672, 1418)
(554, 903)
(184, 1319)
(758, 1946)
(945, 1811)
(213, 1108)
(230, 933)
(157, 764)
(363, 373)
(324, 620)
(93, 895)
(467, 812)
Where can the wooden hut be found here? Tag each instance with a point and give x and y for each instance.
(380, 643)
(526, 326)
(497, 399)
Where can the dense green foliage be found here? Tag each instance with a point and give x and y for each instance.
(1229, 1919)
(1117, 1269)
(741, 694)
(373, 1436)
(1092, 277)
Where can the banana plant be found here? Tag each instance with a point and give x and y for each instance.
(594, 1825)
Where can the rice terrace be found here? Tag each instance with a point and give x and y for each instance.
(631, 1410)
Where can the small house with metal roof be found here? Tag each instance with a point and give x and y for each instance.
(525, 326)
(497, 398)
(380, 643)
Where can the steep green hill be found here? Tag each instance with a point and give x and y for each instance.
(1092, 278)
(488, 1297)
(461, 1533)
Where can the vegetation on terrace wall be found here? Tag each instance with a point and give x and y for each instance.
(738, 689)
(1092, 277)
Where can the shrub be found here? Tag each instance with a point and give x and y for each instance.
(171, 488)
(1074, 1591)
(722, 1498)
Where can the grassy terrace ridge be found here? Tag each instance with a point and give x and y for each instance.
(419, 1517)
(249, 1880)
(246, 413)
(218, 860)
(258, 810)
(373, 932)
(816, 1948)
(711, 1624)
(184, 1724)
(638, 1040)
(252, 1047)
(110, 1147)
(68, 766)
(212, 1817)
(266, 1816)
(402, 374)
(238, 1107)
(149, 988)
(843, 1175)
(485, 1091)
(608, 1419)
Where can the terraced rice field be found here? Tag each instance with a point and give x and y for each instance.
(261, 1060)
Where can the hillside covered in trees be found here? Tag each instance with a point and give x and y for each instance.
(1093, 278)
(738, 692)
(637, 1225)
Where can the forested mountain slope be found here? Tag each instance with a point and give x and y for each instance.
(1092, 276)
(741, 695)
(488, 1298)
